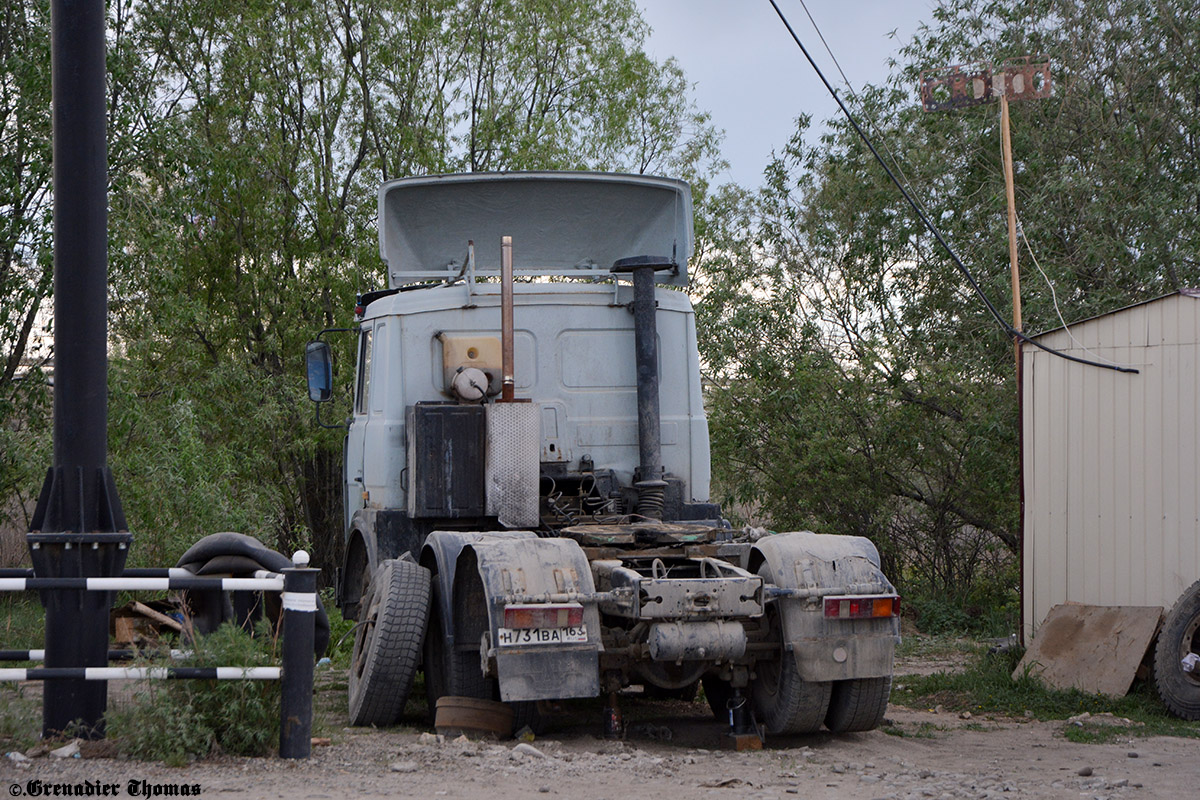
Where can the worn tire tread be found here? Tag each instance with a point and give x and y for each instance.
(1179, 692)
(858, 705)
(394, 652)
(797, 705)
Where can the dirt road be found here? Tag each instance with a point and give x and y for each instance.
(673, 750)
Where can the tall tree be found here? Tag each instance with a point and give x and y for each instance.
(25, 271)
(249, 222)
(859, 385)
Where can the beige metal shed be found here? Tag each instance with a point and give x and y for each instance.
(1112, 461)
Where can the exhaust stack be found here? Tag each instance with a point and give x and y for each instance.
(649, 478)
(508, 388)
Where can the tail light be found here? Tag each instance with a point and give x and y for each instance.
(543, 615)
(872, 607)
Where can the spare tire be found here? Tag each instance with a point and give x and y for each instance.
(1180, 637)
(240, 556)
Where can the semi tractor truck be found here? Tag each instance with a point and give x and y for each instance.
(526, 477)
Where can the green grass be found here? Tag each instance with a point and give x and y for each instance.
(924, 730)
(986, 687)
(341, 640)
(20, 718)
(22, 621)
(1102, 734)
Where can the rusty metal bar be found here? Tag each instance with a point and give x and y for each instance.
(615, 596)
(1024, 78)
(508, 389)
(966, 85)
(960, 86)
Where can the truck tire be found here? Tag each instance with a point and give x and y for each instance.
(782, 700)
(387, 646)
(449, 671)
(456, 672)
(858, 705)
(1180, 635)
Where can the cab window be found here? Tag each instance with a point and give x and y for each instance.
(362, 396)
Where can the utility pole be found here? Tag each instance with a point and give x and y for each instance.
(971, 85)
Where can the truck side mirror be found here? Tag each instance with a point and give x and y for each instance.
(318, 364)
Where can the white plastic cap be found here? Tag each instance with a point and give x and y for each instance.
(470, 384)
(300, 559)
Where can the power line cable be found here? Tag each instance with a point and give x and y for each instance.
(896, 162)
(962, 268)
(1054, 297)
(854, 94)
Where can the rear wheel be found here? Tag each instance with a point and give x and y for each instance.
(387, 644)
(1179, 638)
(456, 671)
(858, 705)
(782, 700)
(450, 671)
(526, 714)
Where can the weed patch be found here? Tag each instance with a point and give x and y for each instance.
(20, 717)
(22, 621)
(1092, 734)
(177, 721)
(341, 640)
(931, 647)
(923, 730)
(987, 687)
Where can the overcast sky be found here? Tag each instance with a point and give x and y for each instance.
(749, 74)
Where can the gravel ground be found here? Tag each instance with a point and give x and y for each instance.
(671, 750)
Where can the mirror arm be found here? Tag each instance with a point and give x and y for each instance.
(324, 424)
(336, 330)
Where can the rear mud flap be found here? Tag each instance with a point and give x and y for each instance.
(541, 673)
(843, 658)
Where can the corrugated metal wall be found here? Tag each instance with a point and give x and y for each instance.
(1112, 461)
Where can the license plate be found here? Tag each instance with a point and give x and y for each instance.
(516, 637)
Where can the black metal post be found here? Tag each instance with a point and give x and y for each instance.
(78, 528)
(80, 257)
(296, 683)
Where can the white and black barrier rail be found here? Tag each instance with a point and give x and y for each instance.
(113, 655)
(298, 587)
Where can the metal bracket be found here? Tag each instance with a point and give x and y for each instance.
(960, 86)
(966, 85)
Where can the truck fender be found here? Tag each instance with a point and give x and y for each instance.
(359, 559)
(532, 570)
(440, 555)
(823, 564)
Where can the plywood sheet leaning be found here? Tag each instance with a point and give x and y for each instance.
(1096, 649)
